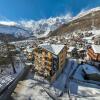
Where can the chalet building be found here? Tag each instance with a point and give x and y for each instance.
(93, 54)
(97, 40)
(49, 60)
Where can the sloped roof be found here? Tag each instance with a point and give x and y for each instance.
(90, 69)
(54, 48)
(29, 49)
(96, 48)
(71, 49)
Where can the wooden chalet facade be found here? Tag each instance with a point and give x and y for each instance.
(93, 53)
(49, 59)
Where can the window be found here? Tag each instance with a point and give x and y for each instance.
(46, 63)
(39, 50)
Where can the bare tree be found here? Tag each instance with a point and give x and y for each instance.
(9, 51)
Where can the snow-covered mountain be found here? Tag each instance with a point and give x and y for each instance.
(39, 28)
(43, 27)
(16, 31)
(85, 21)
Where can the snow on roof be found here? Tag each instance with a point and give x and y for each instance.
(90, 69)
(88, 38)
(54, 48)
(66, 38)
(81, 49)
(91, 37)
(96, 48)
(96, 32)
(58, 41)
(28, 63)
(29, 49)
(70, 49)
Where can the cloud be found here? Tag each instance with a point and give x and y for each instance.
(9, 23)
(5, 21)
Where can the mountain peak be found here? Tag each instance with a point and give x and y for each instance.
(43, 27)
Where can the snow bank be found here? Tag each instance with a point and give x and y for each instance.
(30, 90)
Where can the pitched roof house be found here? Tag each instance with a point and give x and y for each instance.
(93, 54)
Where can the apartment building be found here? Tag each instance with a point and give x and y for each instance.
(49, 59)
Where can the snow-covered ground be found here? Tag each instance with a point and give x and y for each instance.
(34, 84)
(30, 90)
(83, 91)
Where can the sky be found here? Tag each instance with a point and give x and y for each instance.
(40, 9)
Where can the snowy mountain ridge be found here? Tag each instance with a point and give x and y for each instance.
(85, 12)
(36, 28)
(40, 28)
(44, 26)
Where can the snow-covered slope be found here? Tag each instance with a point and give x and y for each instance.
(86, 12)
(16, 31)
(86, 20)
